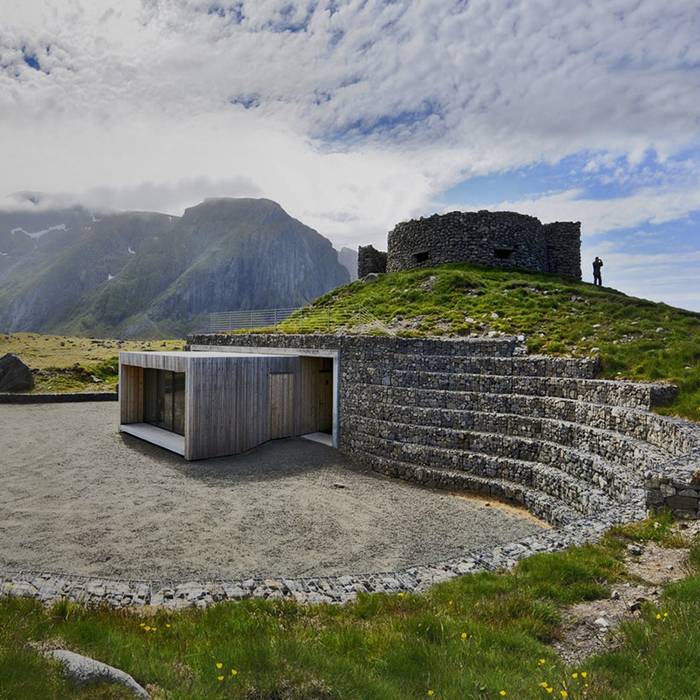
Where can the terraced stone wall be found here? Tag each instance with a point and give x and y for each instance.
(480, 415)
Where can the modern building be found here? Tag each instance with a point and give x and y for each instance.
(211, 404)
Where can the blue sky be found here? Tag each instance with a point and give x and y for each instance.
(357, 114)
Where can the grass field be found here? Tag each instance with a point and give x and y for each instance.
(75, 364)
(635, 338)
(479, 636)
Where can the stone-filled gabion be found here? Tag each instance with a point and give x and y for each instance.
(498, 239)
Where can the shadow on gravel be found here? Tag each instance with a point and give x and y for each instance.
(273, 460)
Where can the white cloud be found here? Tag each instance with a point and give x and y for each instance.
(353, 115)
(652, 206)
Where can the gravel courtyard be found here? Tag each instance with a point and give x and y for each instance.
(78, 497)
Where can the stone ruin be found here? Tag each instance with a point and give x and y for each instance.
(496, 239)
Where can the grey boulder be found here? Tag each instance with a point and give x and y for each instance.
(14, 374)
(83, 670)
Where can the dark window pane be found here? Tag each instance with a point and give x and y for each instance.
(164, 399)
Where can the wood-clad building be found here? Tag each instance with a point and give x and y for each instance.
(211, 404)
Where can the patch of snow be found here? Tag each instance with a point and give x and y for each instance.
(131, 251)
(1, 253)
(95, 219)
(109, 277)
(39, 234)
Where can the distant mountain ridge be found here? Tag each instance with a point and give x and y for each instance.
(147, 274)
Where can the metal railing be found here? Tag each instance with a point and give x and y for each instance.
(307, 319)
(223, 321)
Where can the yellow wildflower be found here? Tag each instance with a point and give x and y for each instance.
(550, 690)
(147, 628)
(658, 616)
(219, 664)
(234, 672)
(167, 624)
(220, 678)
(540, 662)
(502, 693)
(463, 636)
(430, 693)
(563, 693)
(544, 684)
(584, 674)
(574, 676)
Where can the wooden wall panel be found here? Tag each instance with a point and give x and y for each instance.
(316, 395)
(130, 394)
(282, 405)
(228, 403)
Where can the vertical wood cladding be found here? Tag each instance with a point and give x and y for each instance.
(233, 403)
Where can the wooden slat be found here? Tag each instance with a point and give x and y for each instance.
(131, 394)
(281, 405)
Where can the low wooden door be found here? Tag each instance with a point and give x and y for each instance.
(281, 405)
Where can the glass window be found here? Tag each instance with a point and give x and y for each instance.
(164, 399)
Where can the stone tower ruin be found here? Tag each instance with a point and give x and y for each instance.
(497, 239)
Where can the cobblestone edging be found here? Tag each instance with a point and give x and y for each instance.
(48, 588)
(76, 397)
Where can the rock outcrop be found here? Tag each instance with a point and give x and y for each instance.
(14, 374)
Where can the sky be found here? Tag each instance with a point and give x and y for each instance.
(355, 115)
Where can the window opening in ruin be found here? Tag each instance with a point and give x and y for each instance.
(503, 253)
(422, 256)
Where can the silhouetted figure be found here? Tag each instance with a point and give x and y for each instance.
(597, 277)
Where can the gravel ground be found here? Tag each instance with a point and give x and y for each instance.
(78, 497)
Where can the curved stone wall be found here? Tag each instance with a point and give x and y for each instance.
(498, 239)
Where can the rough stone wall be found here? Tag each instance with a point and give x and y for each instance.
(498, 239)
(477, 414)
(563, 239)
(369, 259)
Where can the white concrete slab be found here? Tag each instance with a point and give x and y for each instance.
(157, 436)
(323, 438)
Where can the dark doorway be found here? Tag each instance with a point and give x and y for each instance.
(503, 253)
(422, 256)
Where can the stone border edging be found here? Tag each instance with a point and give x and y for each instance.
(74, 397)
(49, 588)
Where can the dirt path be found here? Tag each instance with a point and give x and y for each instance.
(590, 627)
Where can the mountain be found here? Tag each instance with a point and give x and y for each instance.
(347, 257)
(145, 274)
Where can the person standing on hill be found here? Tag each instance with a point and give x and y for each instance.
(597, 277)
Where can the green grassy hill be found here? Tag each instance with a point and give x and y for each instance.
(635, 338)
